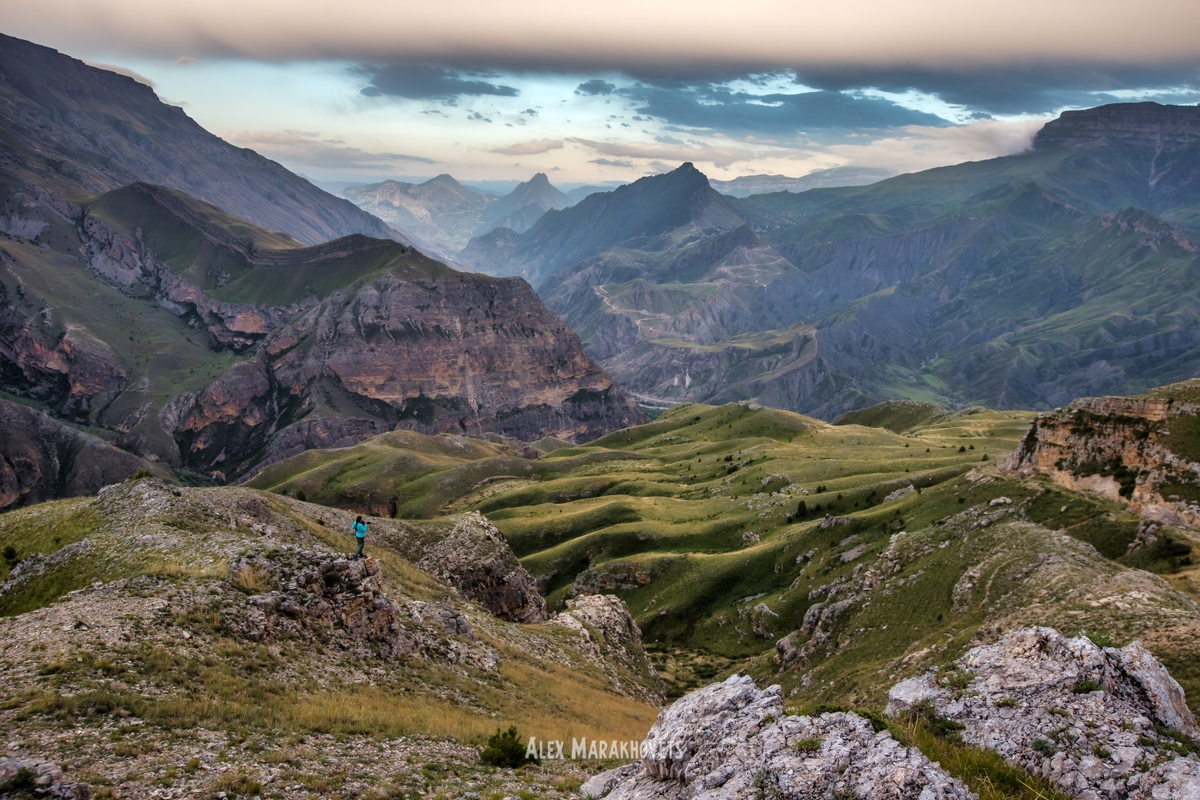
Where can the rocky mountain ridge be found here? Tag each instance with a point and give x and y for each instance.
(912, 287)
(192, 337)
(443, 214)
(72, 131)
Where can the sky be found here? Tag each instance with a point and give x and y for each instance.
(361, 90)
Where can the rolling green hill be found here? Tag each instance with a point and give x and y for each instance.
(726, 529)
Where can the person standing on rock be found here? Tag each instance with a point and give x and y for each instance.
(360, 533)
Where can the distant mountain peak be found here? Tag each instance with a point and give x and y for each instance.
(539, 178)
(445, 179)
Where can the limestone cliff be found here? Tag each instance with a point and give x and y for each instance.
(1136, 450)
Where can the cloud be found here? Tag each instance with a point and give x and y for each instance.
(606, 162)
(1018, 88)
(423, 82)
(529, 148)
(715, 107)
(126, 71)
(918, 148)
(303, 147)
(631, 36)
(718, 155)
(595, 87)
(476, 116)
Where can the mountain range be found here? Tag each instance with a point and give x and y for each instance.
(1018, 282)
(143, 301)
(746, 185)
(442, 215)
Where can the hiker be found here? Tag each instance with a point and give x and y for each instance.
(360, 532)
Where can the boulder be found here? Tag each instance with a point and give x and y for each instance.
(25, 777)
(1099, 722)
(613, 641)
(732, 741)
(475, 559)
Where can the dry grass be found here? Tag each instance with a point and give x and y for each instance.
(173, 568)
(251, 579)
(984, 771)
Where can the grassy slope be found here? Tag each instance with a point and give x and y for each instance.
(179, 553)
(699, 545)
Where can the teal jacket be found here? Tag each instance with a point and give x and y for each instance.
(360, 529)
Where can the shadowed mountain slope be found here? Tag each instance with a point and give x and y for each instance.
(658, 206)
(69, 130)
(212, 345)
(1018, 282)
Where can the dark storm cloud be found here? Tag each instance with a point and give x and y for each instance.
(423, 82)
(717, 108)
(595, 87)
(1031, 89)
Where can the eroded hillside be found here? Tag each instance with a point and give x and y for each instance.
(205, 640)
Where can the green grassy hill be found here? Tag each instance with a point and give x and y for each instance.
(724, 527)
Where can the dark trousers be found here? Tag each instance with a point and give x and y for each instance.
(361, 541)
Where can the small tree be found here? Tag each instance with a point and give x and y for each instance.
(504, 749)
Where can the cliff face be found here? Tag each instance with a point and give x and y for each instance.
(454, 353)
(1136, 450)
(40, 459)
(215, 346)
(1167, 127)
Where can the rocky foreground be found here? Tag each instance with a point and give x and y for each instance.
(1100, 723)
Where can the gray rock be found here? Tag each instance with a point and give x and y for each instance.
(476, 560)
(32, 777)
(612, 640)
(732, 741)
(1095, 721)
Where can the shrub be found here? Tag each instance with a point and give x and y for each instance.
(10, 556)
(24, 780)
(301, 496)
(142, 472)
(1099, 639)
(1043, 746)
(810, 745)
(504, 749)
(1005, 702)
(1086, 686)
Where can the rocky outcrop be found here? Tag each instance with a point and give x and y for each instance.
(27, 777)
(41, 459)
(475, 559)
(1099, 722)
(733, 741)
(342, 602)
(1132, 450)
(610, 637)
(342, 595)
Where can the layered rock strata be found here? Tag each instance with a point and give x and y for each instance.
(1132, 450)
